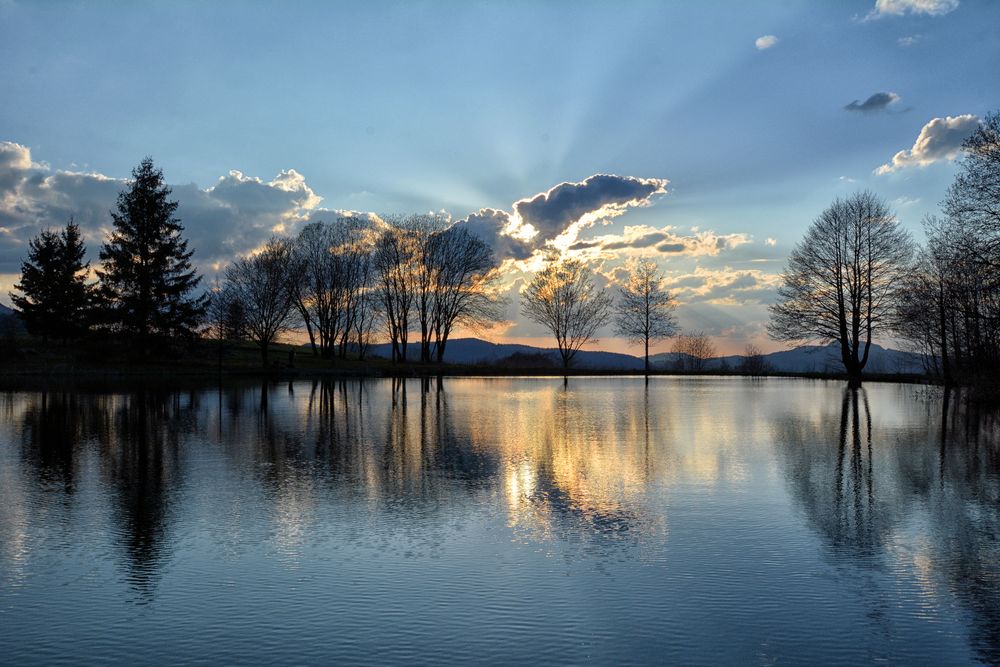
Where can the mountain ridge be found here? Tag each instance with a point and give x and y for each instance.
(802, 359)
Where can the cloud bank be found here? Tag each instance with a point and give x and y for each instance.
(233, 216)
(940, 139)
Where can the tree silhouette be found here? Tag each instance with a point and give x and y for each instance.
(645, 311)
(564, 298)
(54, 296)
(262, 285)
(842, 279)
(146, 277)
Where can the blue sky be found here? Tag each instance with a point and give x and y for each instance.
(417, 106)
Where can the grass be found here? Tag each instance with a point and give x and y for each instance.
(28, 362)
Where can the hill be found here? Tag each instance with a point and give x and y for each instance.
(804, 359)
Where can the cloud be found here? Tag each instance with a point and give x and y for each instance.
(233, 216)
(940, 139)
(651, 241)
(877, 102)
(885, 8)
(725, 286)
(493, 227)
(908, 41)
(765, 42)
(601, 196)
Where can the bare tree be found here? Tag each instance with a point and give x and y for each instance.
(262, 284)
(843, 279)
(645, 311)
(693, 350)
(973, 199)
(564, 298)
(394, 260)
(753, 362)
(463, 285)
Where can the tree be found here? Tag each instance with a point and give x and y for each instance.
(262, 285)
(564, 298)
(693, 350)
(54, 297)
(753, 362)
(842, 280)
(146, 279)
(973, 199)
(394, 259)
(645, 311)
(463, 284)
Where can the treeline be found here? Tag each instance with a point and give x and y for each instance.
(340, 284)
(951, 299)
(345, 281)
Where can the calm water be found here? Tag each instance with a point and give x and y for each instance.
(500, 520)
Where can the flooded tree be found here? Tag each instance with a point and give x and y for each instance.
(644, 312)
(53, 297)
(842, 280)
(564, 298)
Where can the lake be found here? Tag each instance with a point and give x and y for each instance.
(504, 520)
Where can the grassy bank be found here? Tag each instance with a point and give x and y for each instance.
(31, 364)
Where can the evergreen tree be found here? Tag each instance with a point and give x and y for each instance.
(146, 277)
(54, 297)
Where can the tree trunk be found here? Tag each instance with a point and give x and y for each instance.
(263, 353)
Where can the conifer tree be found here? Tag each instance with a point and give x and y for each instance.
(146, 277)
(54, 297)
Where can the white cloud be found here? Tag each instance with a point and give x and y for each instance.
(908, 41)
(770, 242)
(940, 139)
(765, 42)
(900, 7)
(232, 217)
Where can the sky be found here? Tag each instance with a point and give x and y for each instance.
(706, 136)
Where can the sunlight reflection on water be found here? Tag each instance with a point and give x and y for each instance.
(500, 520)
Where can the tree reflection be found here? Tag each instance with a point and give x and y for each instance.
(860, 489)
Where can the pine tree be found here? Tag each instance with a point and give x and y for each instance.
(54, 297)
(146, 277)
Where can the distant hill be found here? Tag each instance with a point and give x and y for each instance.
(805, 359)
(4, 310)
(476, 351)
(814, 359)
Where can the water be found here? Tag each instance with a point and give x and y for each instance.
(695, 520)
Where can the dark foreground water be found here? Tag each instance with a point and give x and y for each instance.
(501, 521)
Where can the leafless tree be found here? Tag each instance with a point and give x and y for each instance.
(463, 285)
(693, 350)
(645, 310)
(843, 279)
(753, 362)
(394, 260)
(564, 298)
(262, 284)
(330, 261)
(973, 199)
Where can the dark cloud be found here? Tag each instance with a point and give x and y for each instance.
(877, 102)
(553, 211)
(671, 247)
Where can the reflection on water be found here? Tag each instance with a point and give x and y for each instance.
(500, 520)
